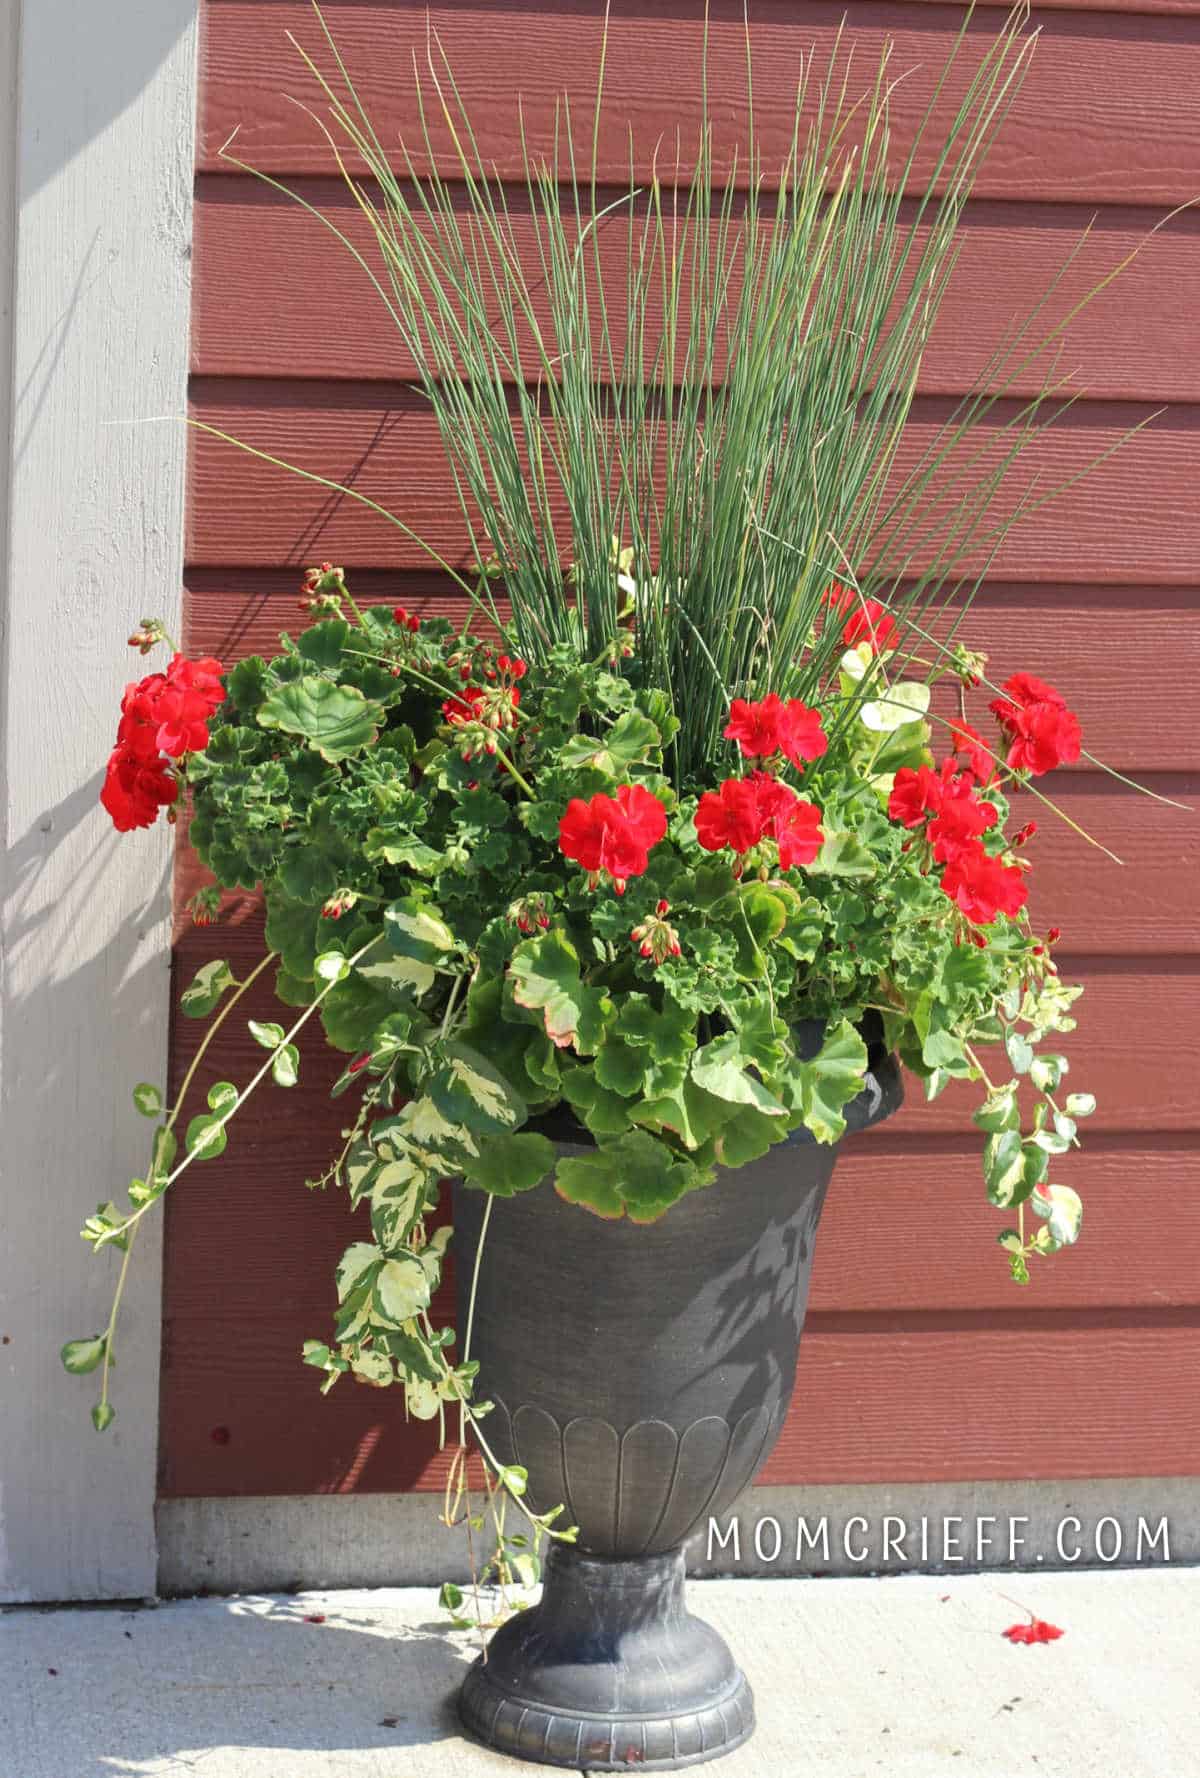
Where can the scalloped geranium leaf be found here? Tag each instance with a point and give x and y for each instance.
(720, 1068)
(335, 720)
(635, 1173)
(628, 740)
(322, 644)
(820, 1088)
(687, 1112)
(1063, 1210)
(605, 1113)
(545, 979)
(506, 1165)
(842, 855)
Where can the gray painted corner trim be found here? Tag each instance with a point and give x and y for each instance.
(96, 153)
(281, 1543)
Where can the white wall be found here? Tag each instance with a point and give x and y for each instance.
(98, 151)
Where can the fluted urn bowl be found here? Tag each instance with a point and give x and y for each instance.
(641, 1375)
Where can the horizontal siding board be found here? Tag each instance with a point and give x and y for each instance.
(1105, 114)
(1130, 518)
(957, 1403)
(332, 321)
(1094, 645)
(910, 1402)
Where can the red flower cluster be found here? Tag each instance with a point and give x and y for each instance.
(1041, 732)
(954, 818)
(866, 619)
(613, 836)
(408, 620)
(165, 713)
(745, 811)
(771, 726)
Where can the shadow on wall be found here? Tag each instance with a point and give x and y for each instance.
(110, 54)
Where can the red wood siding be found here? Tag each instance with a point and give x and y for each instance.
(1098, 593)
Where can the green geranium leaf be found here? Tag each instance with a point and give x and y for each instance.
(687, 1112)
(545, 980)
(842, 855)
(81, 1356)
(205, 989)
(605, 1113)
(506, 1165)
(746, 1137)
(323, 643)
(819, 1089)
(306, 874)
(627, 742)
(633, 1174)
(335, 720)
(667, 1032)
(720, 1068)
(620, 1067)
(292, 930)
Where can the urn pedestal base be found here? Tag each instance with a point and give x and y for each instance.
(608, 1672)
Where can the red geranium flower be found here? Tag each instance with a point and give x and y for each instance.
(799, 833)
(915, 794)
(731, 816)
(960, 819)
(771, 726)
(1040, 730)
(971, 753)
(162, 713)
(746, 810)
(184, 703)
(867, 620)
(981, 887)
(613, 835)
(136, 789)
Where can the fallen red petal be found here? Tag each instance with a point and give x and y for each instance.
(1034, 1631)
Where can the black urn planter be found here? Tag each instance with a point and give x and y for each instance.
(641, 1374)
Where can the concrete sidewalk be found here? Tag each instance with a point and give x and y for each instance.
(908, 1676)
